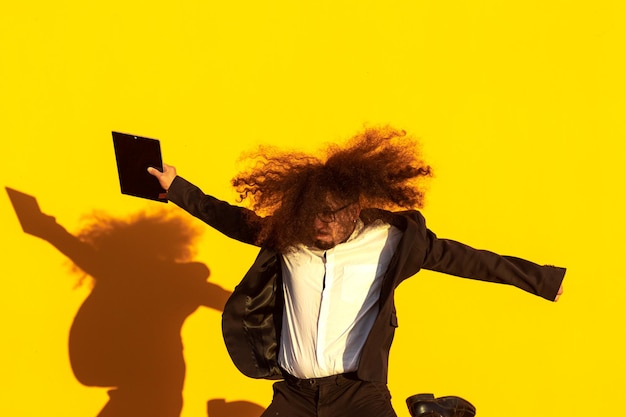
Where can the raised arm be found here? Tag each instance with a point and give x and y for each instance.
(233, 221)
(81, 254)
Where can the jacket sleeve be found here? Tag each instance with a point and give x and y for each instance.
(455, 258)
(233, 221)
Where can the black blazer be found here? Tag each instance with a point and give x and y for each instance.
(251, 322)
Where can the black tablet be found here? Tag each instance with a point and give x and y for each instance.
(134, 154)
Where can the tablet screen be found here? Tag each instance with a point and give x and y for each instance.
(134, 154)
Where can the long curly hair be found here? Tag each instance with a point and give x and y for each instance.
(379, 167)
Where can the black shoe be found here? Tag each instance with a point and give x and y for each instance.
(426, 405)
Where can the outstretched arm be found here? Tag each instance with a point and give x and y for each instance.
(81, 254)
(455, 258)
(233, 221)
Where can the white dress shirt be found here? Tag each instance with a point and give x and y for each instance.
(331, 300)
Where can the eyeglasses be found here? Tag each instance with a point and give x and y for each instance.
(328, 216)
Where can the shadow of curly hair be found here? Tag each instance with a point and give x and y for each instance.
(379, 167)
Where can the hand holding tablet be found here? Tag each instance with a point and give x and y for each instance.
(134, 155)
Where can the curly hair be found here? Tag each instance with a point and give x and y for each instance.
(379, 168)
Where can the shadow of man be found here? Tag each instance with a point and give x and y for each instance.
(127, 333)
(219, 407)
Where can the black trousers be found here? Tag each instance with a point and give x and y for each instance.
(333, 396)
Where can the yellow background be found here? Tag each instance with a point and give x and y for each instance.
(520, 108)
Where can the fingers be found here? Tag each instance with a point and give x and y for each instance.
(168, 170)
(558, 294)
(166, 177)
(155, 172)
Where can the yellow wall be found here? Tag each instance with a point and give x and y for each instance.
(520, 106)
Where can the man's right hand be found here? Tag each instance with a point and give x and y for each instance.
(166, 177)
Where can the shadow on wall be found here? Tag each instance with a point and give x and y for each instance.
(126, 334)
(221, 408)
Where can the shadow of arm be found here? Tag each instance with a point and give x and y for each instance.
(36, 223)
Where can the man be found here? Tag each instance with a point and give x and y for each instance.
(316, 309)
